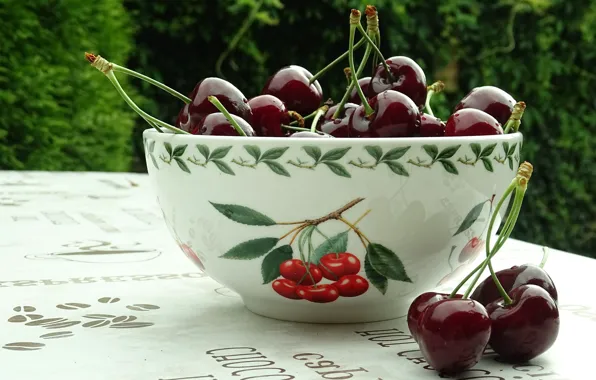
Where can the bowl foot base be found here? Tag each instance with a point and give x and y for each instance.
(300, 311)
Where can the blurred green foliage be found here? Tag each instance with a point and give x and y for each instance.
(57, 112)
(540, 51)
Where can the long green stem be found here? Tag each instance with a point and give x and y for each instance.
(160, 85)
(335, 62)
(228, 116)
(377, 51)
(110, 75)
(434, 88)
(320, 112)
(545, 252)
(354, 23)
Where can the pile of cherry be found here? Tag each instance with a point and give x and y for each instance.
(453, 332)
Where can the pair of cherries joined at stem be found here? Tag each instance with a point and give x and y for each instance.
(393, 102)
(303, 282)
(514, 310)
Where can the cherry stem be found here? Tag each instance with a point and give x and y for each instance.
(515, 119)
(100, 62)
(223, 110)
(519, 184)
(434, 88)
(150, 119)
(320, 112)
(298, 118)
(354, 23)
(336, 61)
(545, 252)
(377, 51)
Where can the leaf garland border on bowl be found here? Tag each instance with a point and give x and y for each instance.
(276, 159)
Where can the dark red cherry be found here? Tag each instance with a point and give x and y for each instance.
(431, 126)
(472, 122)
(395, 115)
(486, 292)
(216, 124)
(338, 127)
(527, 327)
(408, 78)
(290, 85)
(268, 114)
(185, 122)
(419, 305)
(453, 333)
(491, 100)
(229, 96)
(364, 84)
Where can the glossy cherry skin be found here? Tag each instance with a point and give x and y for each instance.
(336, 265)
(229, 95)
(431, 126)
(419, 305)
(318, 293)
(295, 270)
(395, 115)
(408, 78)
(526, 328)
(470, 250)
(351, 285)
(187, 123)
(340, 126)
(290, 85)
(364, 84)
(216, 124)
(516, 276)
(310, 134)
(268, 114)
(286, 288)
(492, 100)
(453, 333)
(472, 122)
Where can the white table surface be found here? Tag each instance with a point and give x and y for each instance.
(93, 287)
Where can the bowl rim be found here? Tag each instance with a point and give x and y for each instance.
(340, 140)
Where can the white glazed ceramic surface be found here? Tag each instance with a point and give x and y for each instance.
(226, 199)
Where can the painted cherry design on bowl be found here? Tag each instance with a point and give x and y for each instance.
(492, 100)
(472, 122)
(395, 115)
(333, 266)
(216, 124)
(285, 288)
(340, 126)
(527, 327)
(290, 85)
(321, 293)
(295, 270)
(511, 278)
(268, 114)
(229, 95)
(351, 285)
(470, 250)
(452, 334)
(408, 78)
(431, 126)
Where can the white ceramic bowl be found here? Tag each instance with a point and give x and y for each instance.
(228, 200)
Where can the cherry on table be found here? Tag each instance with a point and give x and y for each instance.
(527, 327)
(216, 124)
(364, 84)
(511, 278)
(268, 114)
(472, 122)
(395, 115)
(295, 270)
(290, 85)
(228, 94)
(336, 265)
(419, 305)
(431, 126)
(321, 293)
(453, 333)
(408, 78)
(285, 288)
(340, 126)
(492, 100)
(351, 285)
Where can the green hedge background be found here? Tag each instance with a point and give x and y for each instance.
(55, 110)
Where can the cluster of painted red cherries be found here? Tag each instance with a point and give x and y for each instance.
(514, 311)
(389, 103)
(300, 282)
